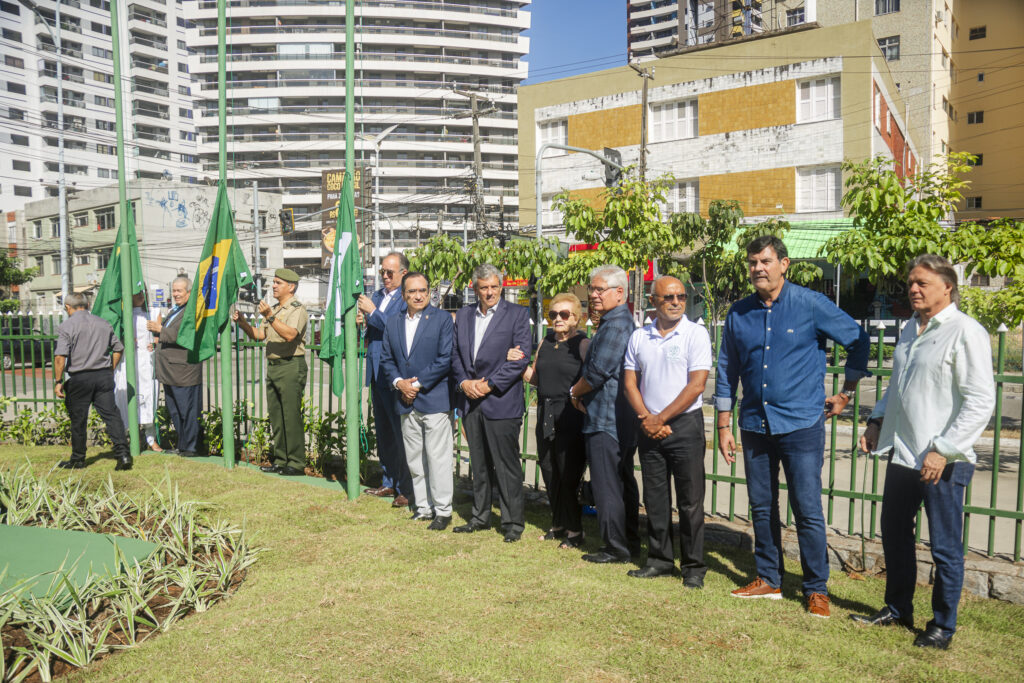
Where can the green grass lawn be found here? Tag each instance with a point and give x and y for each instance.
(350, 591)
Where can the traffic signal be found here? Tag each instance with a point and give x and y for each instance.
(287, 217)
(612, 175)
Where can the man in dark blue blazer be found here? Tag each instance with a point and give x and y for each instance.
(490, 399)
(416, 357)
(375, 311)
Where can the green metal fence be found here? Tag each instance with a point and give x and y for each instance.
(27, 379)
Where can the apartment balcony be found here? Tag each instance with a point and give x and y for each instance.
(69, 77)
(143, 65)
(152, 111)
(147, 45)
(208, 8)
(143, 20)
(150, 88)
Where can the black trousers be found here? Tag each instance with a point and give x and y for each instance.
(563, 458)
(494, 456)
(616, 495)
(390, 444)
(185, 404)
(93, 388)
(677, 458)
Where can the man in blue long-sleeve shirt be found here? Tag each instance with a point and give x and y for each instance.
(774, 344)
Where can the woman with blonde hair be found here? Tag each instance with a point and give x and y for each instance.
(560, 448)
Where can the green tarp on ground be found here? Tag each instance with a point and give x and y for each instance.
(31, 556)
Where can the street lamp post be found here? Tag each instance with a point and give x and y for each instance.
(62, 198)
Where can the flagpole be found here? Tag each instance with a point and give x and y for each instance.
(227, 403)
(353, 389)
(123, 247)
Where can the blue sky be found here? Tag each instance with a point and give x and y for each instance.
(570, 37)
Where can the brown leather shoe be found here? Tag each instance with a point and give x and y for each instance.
(382, 492)
(817, 605)
(758, 588)
(400, 501)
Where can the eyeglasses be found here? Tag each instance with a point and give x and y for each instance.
(564, 315)
(681, 298)
(598, 290)
(385, 271)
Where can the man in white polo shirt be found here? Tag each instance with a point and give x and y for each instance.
(661, 357)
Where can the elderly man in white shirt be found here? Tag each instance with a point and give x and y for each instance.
(661, 357)
(938, 402)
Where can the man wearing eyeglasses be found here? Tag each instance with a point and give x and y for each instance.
(667, 354)
(608, 427)
(375, 311)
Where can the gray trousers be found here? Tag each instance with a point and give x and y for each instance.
(428, 451)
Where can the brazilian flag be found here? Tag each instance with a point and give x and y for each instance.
(107, 303)
(344, 287)
(222, 271)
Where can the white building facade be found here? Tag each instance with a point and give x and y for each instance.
(286, 110)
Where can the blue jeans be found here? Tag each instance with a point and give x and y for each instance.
(801, 454)
(944, 504)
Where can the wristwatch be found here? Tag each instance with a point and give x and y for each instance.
(271, 319)
(848, 393)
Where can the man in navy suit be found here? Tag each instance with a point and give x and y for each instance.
(416, 357)
(376, 310)
(490, 398)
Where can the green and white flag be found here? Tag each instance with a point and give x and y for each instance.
(222, 271)
(107, 303)
(344, 287)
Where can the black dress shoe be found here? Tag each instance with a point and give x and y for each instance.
(270, 469)
(650, 572)
(72, 464)
(123, 464)
(288, 471)
(883, 617)
(188, 454)
(421, 517)
(605, 557)
(933, 636)
(512, 536)
(440, 523)
(469, 528)
(694, 582)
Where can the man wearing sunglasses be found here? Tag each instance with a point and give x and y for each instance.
(375, 311)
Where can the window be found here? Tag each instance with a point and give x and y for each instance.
(818, 100)
(981, 76)
(554, 132)
(263, 259)
(16, 88)
(97, 27)
(105, 125)
(817, 189)
(19, 165)
(182, 45)
(101, 4)
(21, 140)
(103, 260)
(183, 67)
(977, 161)
(102, 77)
(55, 265)
(975, 117)
(103, 172)
(981, 280)
(106, 149)
(102, 101)
(14, 36)
(102, 52)
(80, 220)
(184, 113)
(15, 114)
(183, 90)
(189, 158)
(82, 259)
(976, 33)
(10, 8)
(974, 202)
(54, 228)
(795, 17)
(674, 121)
(890, 48)
(37, 229)
(886, 6)
(105, 219)
(16, 62)
(680, 198)
(21, 191)
(187, 135)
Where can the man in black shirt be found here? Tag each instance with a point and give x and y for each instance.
(88, 350)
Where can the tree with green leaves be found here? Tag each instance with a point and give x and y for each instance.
(629, 231)
(719, 259)
(896, 219)
(11, 275)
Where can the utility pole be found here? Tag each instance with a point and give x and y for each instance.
(641, 268)
(257, 265)
(478, 167)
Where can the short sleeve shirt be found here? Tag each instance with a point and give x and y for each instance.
(664, 363)
(87, 341)
(293, 315)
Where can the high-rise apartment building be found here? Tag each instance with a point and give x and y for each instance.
(158, 123)
(656, 25)
(415, 63)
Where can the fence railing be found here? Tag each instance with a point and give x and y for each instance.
(853, 482)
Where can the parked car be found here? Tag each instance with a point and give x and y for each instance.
(27, 346)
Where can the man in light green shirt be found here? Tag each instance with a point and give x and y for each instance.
(939, 400)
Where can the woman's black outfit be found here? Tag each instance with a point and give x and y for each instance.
(560, 448)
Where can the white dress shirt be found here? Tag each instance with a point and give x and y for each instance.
(942, 390)
(664, 363)
(388, 296)
(412, 322)
(481, 322)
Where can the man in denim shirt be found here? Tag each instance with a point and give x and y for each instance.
(774, 343)
(608, 427)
